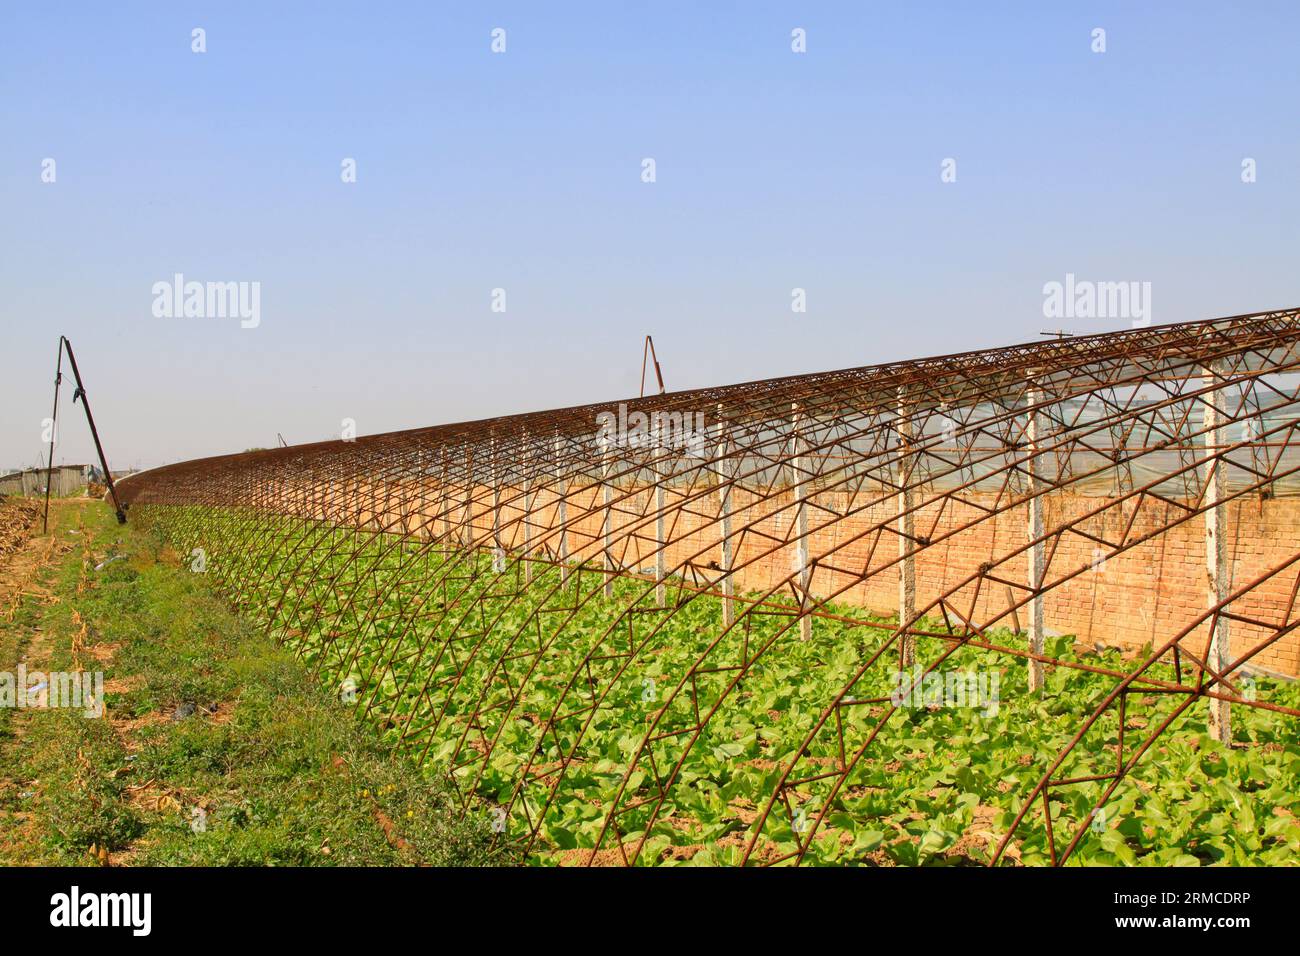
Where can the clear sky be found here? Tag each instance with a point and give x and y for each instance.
(522, 171)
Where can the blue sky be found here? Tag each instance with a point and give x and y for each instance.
(522, 171)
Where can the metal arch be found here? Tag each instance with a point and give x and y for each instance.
(970, 628)
(533, 485)
(677, 688)
(1289, 621)
(744, 669)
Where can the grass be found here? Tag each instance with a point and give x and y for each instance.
(217, 747)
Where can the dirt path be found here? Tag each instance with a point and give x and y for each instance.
(28, 559)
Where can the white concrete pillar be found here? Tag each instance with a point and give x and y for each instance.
(561, 509)
(801, 564)
(724, 515)
(445, 504)
(1034, 530)
(661, 506)
(607, 491)
(467, 525)
(1216, 544)
(528, 509)
(906, 529)
(496, 493)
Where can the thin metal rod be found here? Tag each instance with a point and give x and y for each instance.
(54, 435)
(94, 432)
(648, 352)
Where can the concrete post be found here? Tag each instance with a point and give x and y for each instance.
(608, 493)
(1037, 557)
(496, 494)
(1216, 545)
(562, 513)
(467, 526)
(528, 510)
(661, 535)
(724, 514)
(445, 504)
(906, 531)
(801, 568)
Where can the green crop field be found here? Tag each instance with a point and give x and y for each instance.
(537, 700)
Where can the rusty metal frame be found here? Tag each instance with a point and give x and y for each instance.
(854, 474)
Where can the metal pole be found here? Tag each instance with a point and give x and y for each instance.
(94, 432)
(54, 434)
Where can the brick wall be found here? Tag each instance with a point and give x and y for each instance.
(1145, 595)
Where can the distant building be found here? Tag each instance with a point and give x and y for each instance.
(67, 480)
